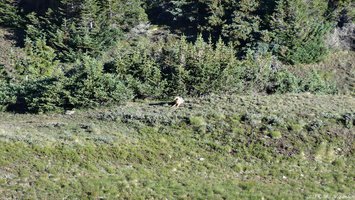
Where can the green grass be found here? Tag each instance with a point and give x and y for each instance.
(217, 147)
(276, 134)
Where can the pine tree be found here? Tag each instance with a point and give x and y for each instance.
(40, 60)
(9, 13)
(298, 30)
(76, 27)
(121, 14)
(243, 25)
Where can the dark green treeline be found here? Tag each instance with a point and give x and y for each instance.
(80, 53)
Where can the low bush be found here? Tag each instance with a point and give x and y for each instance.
(276, 134)
(137, 65)
(198, 123)
(7, 94)
(8, 89)
(284, 81)
(315, 82)
(43, 95)
(88, 85)
(83, 86)
(178, 67)
(40, 60)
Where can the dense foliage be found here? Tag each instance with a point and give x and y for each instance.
(94, 52)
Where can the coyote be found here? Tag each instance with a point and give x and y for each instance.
(178, 101)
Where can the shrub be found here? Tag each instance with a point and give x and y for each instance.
(318, 83)
(211, 69)
(325, 153)
(283, 82)
(43, 95)
(8, 89)
(348, 120)
(198, 123)
(296, 127)
(276, 134)
(88, 86)
(40, 60)
(200, 68)
(7, 94)
(142, 72)
(178, 67)
(314, 81)
(256, 70)
(84, 85)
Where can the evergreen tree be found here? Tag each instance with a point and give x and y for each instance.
(123, 15)
(9, 13)
(187, 17)
(85, 27)
(341, 11)
(40, 60)
(243, 24)
(299, 29)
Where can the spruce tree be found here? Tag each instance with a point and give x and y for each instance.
(76, 27)
(122, 14)
(243, 24)
(40, 60)
(9, 13)
(299, 30)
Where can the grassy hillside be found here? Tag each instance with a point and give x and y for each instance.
(271, 147)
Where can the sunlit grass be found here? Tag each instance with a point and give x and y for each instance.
(251, 147)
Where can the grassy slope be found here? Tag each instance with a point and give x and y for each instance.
(218, 147)
(284, 146)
